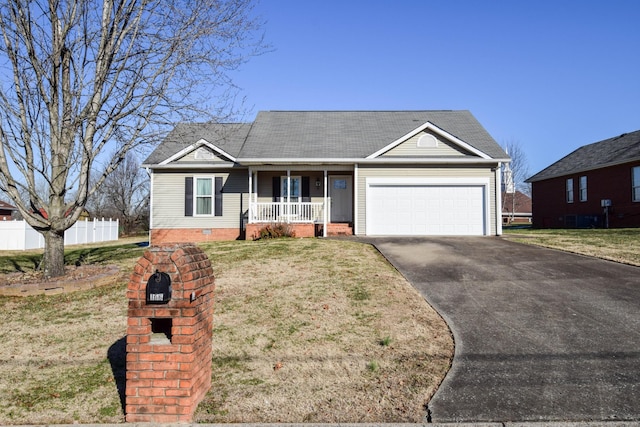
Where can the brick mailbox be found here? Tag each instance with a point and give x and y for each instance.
(169, 334)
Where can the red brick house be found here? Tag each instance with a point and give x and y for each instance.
(516, 208)
(597, 185)
(6, 211)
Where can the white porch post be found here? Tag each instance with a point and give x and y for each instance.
(326, 206)
(251, 207)
(288, 195)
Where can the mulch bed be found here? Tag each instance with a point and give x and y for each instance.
(76, 278)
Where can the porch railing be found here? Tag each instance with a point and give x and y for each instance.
(286, 212)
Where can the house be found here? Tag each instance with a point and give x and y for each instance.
(516, 208)
(368, 173)
(597, 185)
(6, 211)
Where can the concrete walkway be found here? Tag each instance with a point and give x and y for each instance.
(540, 335)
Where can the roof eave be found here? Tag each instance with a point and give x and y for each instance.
(577, 171)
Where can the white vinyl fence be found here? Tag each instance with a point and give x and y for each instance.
(18, 235)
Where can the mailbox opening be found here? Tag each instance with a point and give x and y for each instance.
(161, 331)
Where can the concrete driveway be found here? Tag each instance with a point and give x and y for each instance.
(540, 335)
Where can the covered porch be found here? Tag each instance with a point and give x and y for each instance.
(313, 201)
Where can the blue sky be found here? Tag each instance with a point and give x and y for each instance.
(550, 75)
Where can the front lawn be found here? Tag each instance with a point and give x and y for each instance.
(306, 330)
(620, 245)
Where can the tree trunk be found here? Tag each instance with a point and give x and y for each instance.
(53, 253)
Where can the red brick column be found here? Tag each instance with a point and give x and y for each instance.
(169, 345)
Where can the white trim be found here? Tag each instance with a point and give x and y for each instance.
(430, 126)
(194, 147)
(378, 160)
(326, 204)
(150, 203)
(498, 199)
(355, 199)
(195, 195)
(485, 182)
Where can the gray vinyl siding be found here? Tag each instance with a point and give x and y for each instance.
(409, 148)
(370, 171)
(168, 200)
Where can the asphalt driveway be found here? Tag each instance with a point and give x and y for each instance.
(540, 335)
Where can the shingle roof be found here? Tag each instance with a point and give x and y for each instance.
(229, 137)
(617, 150)
(324, 134)
(7, 206)
(353, 134)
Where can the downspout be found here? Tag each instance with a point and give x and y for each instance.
(498, 173)
(326, 206)
(250, 219)
(355, 199)
(150, 173)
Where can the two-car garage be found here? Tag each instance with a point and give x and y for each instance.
(426, 207)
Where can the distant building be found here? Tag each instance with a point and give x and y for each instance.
(516, 208)
(597, 185)
(6, 211)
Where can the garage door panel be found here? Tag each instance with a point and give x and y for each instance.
(418, 210)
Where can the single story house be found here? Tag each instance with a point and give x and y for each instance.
(597, 185)
(368, 173)
(516, 208)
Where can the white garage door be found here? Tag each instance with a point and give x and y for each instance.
(425, 210)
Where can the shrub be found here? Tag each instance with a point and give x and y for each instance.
(274, 231)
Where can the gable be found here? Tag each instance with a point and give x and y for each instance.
(203, 154)
(427, 144)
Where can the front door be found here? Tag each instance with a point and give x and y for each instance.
(341, 193)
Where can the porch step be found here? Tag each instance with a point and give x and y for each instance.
(339, 229)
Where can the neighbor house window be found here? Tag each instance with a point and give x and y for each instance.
(570, 190)
(583, 188)
(635, 183)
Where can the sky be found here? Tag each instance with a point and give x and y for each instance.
(550, 76)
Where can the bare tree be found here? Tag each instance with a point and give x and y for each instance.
(84, 77)
(124, 195)
(514, 175)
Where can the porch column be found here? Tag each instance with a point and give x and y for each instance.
(250, 219)
(288, 205)
(326, 207)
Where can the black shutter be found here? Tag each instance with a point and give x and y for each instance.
(306, 190)
(218, 197)
(275, 183)
(188, 196)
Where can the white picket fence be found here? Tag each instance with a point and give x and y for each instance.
(18, 235)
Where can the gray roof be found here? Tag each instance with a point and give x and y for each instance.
(326, 134)
(228, 137)
(613, 151)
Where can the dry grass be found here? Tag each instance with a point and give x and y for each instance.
(306, 330)
(620, 245)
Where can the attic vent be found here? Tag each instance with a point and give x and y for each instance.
(427, 141)
(203, 154)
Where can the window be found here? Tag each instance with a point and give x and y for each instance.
(583, 188)
(635, 183)
(295, 188)
(427, 141)
(204, 196)
(570, 190)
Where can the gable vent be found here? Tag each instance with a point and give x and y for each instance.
(427, 141)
